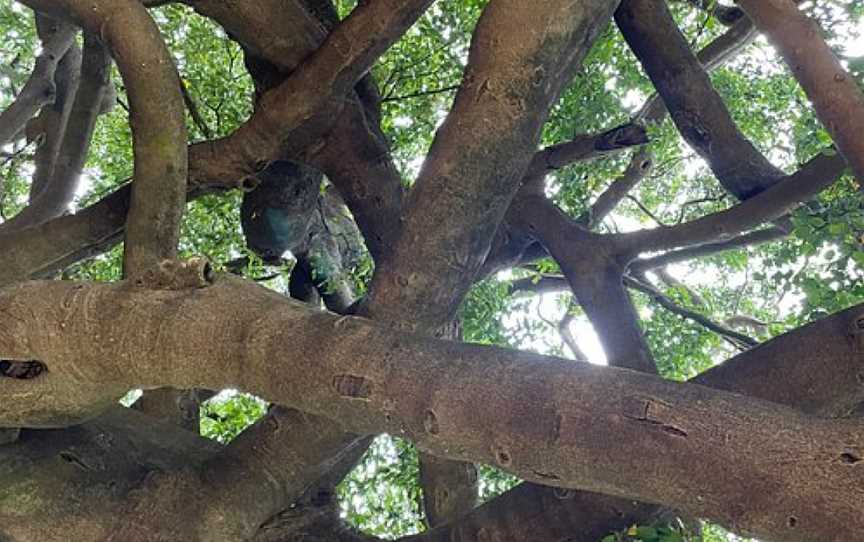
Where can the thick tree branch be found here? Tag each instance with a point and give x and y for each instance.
(39, 90)
(55, 196)
(696, 108)
(157, 120)
(354, 155)
(297, 112)
(467, 182)
(594, 271)
(838, 100)
(712, 56)
(670, 426)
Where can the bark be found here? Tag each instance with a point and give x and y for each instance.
(70, 484)
(696, 108)
(297, 113)
(467, 182)
(180, 407)
(55, 197)
(354, 155)
(238, 489)
(837, 98)
(776, 371)
(40, 89)
(48, 127)
(712, 56)
(420, 287)
(773, 203)
(456, 410)
(594, 270)
(157, 119)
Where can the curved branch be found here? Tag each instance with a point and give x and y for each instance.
(671, 306)
(157, 120)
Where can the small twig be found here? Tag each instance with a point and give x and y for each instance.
(420, 94)
(647, 211)
(192, 107)
(740, 340)
(567, 335)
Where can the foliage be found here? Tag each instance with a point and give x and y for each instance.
(228, 414)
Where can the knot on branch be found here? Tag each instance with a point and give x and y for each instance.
(178, 275)
(22, 370)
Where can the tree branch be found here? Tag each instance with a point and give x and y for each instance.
(460, 197)
(39, 89)
(157, 120)
(766, 235)
(658, 296)
(639, 166)
(55, 196)
(696, 108)
(817, 174)
(670, 426)
(838, 100)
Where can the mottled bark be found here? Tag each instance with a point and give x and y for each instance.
(455, 410)
(466, 183)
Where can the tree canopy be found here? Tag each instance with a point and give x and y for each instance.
(453, 270)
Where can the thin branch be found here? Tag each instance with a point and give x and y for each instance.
(586, 147)
(194, 111)
(567, 334)
(640, 165)
(661, 299)
(642, 207)
(419, 94)
(757, 237)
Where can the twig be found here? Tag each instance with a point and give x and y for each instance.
(741, 340)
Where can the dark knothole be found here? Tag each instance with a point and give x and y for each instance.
(849, 459)
(22, 370)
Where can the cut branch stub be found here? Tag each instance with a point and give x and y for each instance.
(178, 275)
